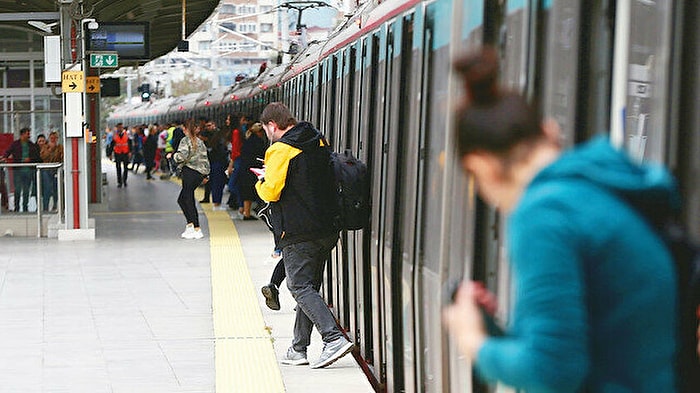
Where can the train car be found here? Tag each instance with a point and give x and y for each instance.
(382, 86)
(183, 108)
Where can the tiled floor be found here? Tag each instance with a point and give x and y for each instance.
(132, 310)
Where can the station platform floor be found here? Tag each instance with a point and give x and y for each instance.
(141, 310)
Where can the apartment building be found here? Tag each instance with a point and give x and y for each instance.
(236, 40)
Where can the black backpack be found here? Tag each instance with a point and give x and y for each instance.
(352, 188)
(686, 254)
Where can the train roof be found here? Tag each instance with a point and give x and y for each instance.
(185, 103)
(211, 97)
(367, 18)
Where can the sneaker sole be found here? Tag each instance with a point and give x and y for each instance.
(341, 352)
(300, 362)
(270, 300)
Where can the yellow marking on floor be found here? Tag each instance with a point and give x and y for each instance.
(245, 359)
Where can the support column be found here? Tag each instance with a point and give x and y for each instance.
(75, 148)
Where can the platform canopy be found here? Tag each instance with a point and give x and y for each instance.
(165, 17)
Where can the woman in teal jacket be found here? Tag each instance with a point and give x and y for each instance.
(595, 304)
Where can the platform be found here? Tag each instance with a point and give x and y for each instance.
(141, 310)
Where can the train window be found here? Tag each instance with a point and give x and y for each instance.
(331, 99)
(646, 85)
(319, 94)
(562, 74)
(350, 98)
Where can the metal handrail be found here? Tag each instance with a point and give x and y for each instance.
(41, 166)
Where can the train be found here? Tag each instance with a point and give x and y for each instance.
(382, 86)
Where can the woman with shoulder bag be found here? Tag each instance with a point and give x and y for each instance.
(191, 156)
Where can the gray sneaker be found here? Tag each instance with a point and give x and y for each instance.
(333, 351)
(294, 358)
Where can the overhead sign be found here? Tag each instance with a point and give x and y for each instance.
(104, 60)
(92, 84)
(73, 81)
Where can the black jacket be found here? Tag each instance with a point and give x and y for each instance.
(299, 183)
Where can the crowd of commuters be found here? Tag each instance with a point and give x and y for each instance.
(23, 150)
(295, 182)
(231, 151)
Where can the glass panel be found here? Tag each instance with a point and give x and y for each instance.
(561, 64)
(647, 80)
(14, 40)
(22, 113)
(38, 74)
(17, 77)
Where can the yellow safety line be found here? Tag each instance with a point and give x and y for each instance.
(245, 359)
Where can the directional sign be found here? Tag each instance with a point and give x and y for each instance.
(92, 84)
(104, 60)
(73, 81)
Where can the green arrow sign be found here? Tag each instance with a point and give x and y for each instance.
(104, 60)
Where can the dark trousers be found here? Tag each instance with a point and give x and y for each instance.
(217, 178)
(122, 162)
(3, 190)
(165, 164)
(234, 198)
(23, 178)
(304, 263)
(49, 184)
(207, 193)
(150, 163)
(191, 179)
(278, 274)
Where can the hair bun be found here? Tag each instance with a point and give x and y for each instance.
(480, 74)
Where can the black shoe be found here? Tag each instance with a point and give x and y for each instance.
(249, 218)
(272, 296)
(204, 201)
(119, 185)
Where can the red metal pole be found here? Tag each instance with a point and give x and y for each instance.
(73, 43)
(76, 184)
(93, 148)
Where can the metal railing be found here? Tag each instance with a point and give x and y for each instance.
(6, 174)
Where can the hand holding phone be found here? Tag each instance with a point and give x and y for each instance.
(259, 172)
(485, 302)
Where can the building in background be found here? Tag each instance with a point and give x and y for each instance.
(233, 44)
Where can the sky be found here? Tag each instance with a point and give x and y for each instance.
(322, 17)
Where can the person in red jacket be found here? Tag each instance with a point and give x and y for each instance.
(121, 146)
(234, 165)
(23, 151)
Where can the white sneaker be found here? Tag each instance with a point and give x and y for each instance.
(189, 230)
(196, 234)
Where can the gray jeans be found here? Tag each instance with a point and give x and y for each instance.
(304, 263)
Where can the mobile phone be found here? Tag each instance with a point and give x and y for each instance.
(492, 326)
(450, 291)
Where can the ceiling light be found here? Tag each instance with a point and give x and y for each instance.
(45, 27)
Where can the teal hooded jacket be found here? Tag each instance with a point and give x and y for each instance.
(595, 297)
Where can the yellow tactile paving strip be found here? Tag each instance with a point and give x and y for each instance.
(245, 359)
